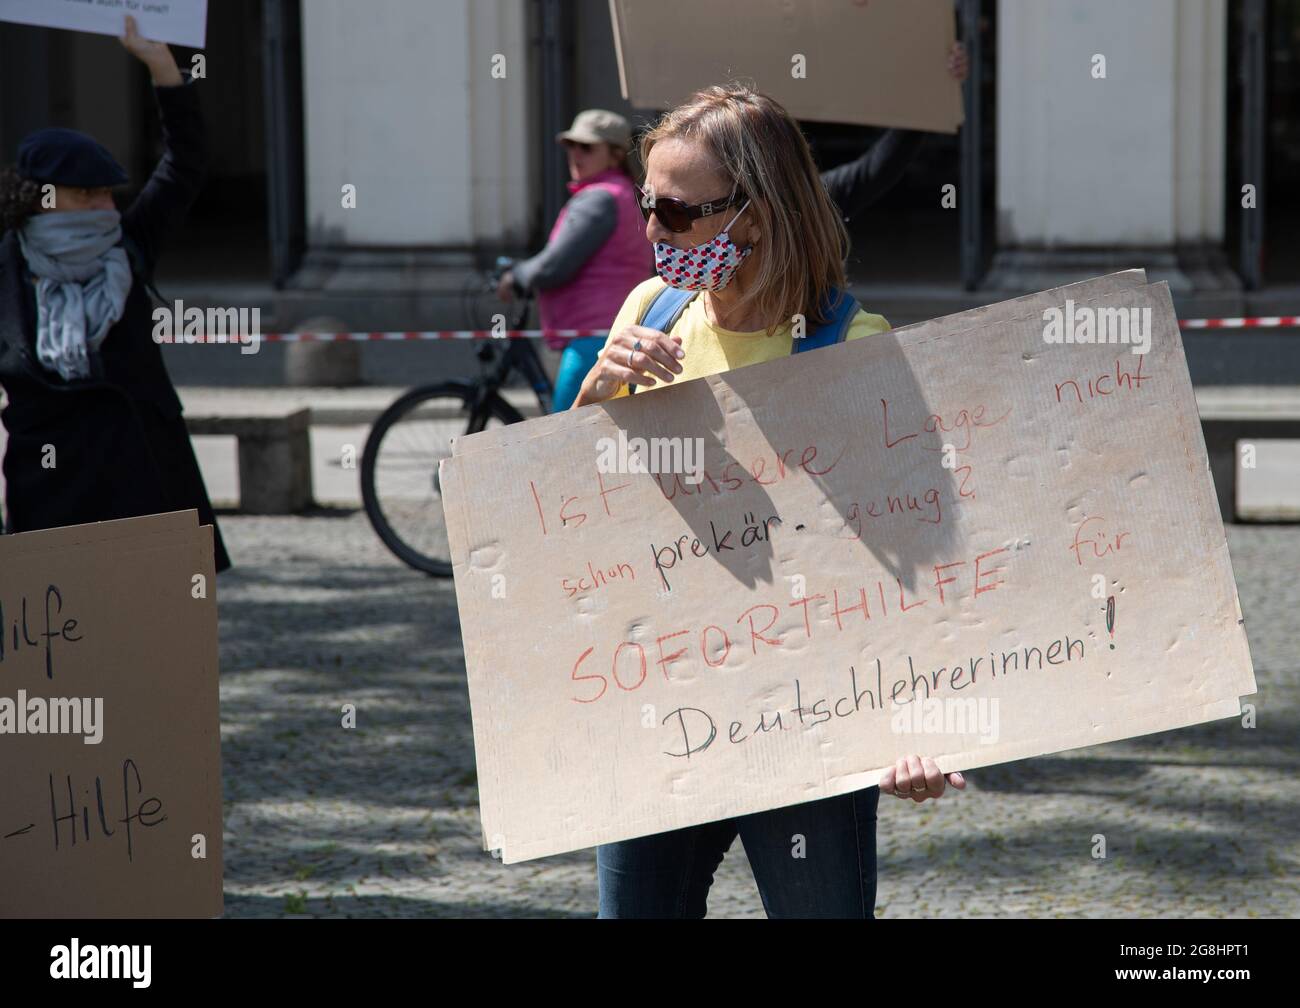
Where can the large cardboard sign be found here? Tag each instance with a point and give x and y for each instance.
(110, 758)
(181, 22)
(881, 63)
(967, 538)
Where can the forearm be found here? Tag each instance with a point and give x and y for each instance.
(856, 185)
(555, 265)
(185, 150)
(163, 70)
(175, 183)
(588, 223)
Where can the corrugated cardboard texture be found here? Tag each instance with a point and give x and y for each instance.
(128, 806)
(882, 63)
(1066, 489)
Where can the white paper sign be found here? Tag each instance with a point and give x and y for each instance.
(180, 22)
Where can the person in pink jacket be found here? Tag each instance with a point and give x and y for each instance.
(596, 252)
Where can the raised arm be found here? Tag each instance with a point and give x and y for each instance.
(177, 179)
(858, 184)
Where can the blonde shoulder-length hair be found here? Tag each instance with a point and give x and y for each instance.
(758, 147)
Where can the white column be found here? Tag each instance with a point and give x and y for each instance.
(401, 102)
(1202, 99)
(1135, 159)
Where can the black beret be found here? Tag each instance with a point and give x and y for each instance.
(66, 157)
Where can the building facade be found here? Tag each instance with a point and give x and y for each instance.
(365, 166)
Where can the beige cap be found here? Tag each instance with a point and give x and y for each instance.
(598, 126)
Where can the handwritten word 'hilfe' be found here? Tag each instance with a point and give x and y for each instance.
(146, 812)
(45, 638)
(629, 664)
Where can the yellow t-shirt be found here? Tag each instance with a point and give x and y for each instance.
(712, 350)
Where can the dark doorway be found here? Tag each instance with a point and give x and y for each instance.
(908, 237)
(225, 240)
(1263, 140)
(1282, 143)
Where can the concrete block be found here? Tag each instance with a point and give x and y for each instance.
(334, 364)
(1270, 489)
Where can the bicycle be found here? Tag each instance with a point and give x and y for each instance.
(399, 466)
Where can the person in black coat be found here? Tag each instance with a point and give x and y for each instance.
(95, 426)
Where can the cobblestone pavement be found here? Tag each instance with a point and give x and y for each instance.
(381, 820)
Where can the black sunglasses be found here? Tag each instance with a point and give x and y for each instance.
(677, 216)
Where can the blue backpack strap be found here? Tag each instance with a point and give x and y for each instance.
(845, 306)
(663, 311)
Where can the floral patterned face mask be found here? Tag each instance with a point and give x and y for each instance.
(707, 266)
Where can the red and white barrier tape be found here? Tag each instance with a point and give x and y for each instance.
(396, 337)
(439, 334)
(1263, 322)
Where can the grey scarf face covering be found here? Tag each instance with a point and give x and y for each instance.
(83, 277)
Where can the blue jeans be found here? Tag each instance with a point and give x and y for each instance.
(668, 875)
(578, 358)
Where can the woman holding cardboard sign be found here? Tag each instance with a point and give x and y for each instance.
(95, 426)
(746, 238)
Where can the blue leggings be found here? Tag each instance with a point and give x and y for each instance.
(817, 859)
(578, 358)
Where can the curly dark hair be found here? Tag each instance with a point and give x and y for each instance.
(20, 198)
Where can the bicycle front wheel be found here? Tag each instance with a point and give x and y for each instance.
(399, 469)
